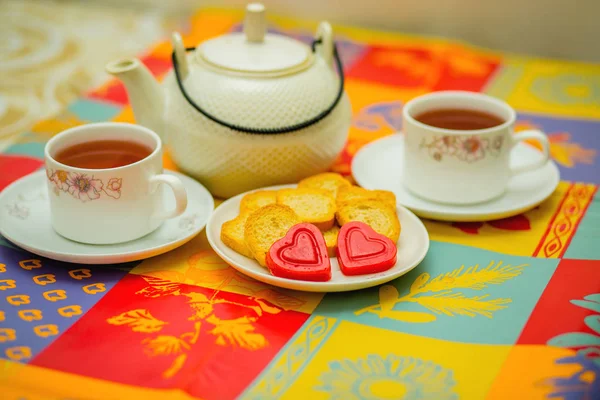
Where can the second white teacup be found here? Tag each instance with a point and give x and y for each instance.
(457, 166)
(105, 204)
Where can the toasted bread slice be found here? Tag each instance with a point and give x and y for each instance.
(232, 234)
(355, 193)
(255, 200)
(315, 206)
(331, 236)
(265, 226)
(375, 213)
(329, 181)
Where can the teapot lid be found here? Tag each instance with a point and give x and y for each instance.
(254, 50)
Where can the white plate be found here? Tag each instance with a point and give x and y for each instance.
(412, 248)
(25, 221)
(378, 165)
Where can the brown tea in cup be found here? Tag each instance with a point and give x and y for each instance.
(459, 119)
(102, 154)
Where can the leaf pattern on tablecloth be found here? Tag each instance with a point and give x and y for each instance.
(235, 332)
(582, 340)
(472, 278)
(438, 296)
(139, 320)
(585, 382)
(451, 304)
(159, 287)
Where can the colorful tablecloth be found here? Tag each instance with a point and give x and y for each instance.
(508, 309)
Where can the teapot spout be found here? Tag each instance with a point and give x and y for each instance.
(145, 94)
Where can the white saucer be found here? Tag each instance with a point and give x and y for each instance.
(25, 221)
(412, 248)
(378, 165)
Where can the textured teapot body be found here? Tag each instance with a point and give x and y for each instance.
(246, 110)
(229, 162)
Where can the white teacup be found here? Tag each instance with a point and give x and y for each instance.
(114, 205)
(462, 166)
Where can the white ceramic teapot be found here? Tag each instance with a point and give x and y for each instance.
(245, 110)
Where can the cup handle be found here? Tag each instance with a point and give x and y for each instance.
(181, 199)
(542, 139)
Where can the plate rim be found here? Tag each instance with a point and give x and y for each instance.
(309, 286)
(452, 215)
(112, 258)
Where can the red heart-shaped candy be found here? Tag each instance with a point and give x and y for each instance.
(361, 250)
(301, 254)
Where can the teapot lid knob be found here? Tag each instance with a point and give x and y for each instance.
(255, 24)
(254, 50)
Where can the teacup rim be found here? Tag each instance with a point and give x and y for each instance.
(70, 131)
(462, 93)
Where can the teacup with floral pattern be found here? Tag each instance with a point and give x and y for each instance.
(112, 205)
(462, 166)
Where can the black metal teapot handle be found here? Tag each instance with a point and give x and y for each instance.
(284, 129)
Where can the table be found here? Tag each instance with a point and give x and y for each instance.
(509, 309)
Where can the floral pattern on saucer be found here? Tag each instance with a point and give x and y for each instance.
(83, 186)
(21, 207)
(18, 211)
(465, 148)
